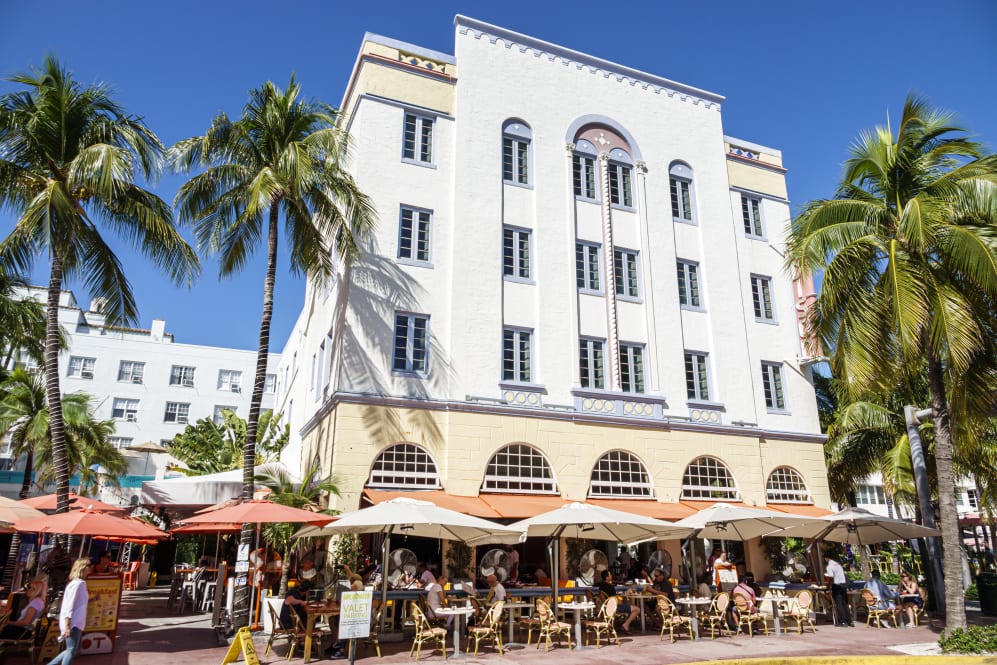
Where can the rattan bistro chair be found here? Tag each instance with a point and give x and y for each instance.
(874, 611)
(550, 627)
(801, 611)
(604, 623)
(746, 618)
(671, 619)
(491, 630)
(426, 633)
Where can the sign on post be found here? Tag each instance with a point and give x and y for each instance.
(354, 614)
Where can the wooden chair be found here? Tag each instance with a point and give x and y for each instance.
(801, 611)
(671, 619)
(491, 630)
(426, 633)
(129, 578)
(530, 622)
(746, 618)
(550, 626)
(874, 611)
(716, 616)
(604, 623)
(375, 631)
(283, 632)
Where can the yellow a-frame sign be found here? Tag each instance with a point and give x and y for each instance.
(243, 643)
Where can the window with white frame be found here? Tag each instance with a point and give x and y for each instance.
(708, 478)
(404, 465)
(751, 213)
(786, 485)
(516, 139)
(632, 368)
(583, 170)
(516, 253)
(516, 355)
(182, 375)
(270, 383)
(519, 469)
(417, 144)
(688, 282)
(124, 409)
(775, 398)
(697, 378)
(869, 495)
(974, 500)
(620, 474)
(120, 441)
(680, 188)
(621, 179)
(217, 415)
(591, 363)
(325, 368)
(587, 261)
(411, 343)
(761, 298)
(627, 269)
(230, 380)
(131, 371)
(413, 234)
(26, 362)
(82, 368)
(176, 412)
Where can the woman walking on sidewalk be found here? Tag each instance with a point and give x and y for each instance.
(73, 614)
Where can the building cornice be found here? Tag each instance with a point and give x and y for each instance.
(561, 414)
(582, 61)
(756, 163)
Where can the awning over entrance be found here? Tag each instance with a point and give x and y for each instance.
(670, 512)
(469, 505)
(805, 509)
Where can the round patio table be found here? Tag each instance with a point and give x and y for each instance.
(693, 603)
(578, 607)
(457, 612)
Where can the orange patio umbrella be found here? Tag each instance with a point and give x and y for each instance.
(88, 522)
(76, 502)
(207, 528)
(260, 512)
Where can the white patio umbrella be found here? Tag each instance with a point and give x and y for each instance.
(413, 517)
(583, 520)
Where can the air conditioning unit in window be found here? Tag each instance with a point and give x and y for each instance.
(235, 389)
(182, 420)
(136, 379)
(188, 383)
(86, 374)
(130, 417)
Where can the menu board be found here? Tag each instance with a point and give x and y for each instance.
(102, 614)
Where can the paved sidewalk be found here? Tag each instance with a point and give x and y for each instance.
(149, 635)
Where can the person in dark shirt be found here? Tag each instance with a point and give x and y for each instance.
(607, 589)
(295, 601)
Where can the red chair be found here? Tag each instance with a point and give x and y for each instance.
(129, 580)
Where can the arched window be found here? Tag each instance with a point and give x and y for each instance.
(583, 170)
(619, 474)
(521, 469)
(786, 485)
(516, 140)
(404, 466)
(680, 185)
(708, 478)
(621, 169)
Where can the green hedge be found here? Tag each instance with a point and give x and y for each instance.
(972, 593)
(972, 640)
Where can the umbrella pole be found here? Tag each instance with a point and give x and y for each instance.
(384, 578)
(254, 594)
(692, 563)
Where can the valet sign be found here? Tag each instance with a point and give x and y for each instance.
(354, 614)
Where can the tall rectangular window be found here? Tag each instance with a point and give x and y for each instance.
(587, 273)
(697, 382)
(413, 234)
(131, 371)
(681, 200)
(217, 415)
(270, 383)
(772, 385)
(417, 144)
(583, 176)
(631, 368)
(120, 441)
(82, 368)
(411, 343)
(516, 253)
(688, 281)
(515, 160)
(751, 212)
(621, 184)
(230, 380)
(124, 409)
(591, 363)
(761, 298)
(516, 355)
(627, 273)
(176, 412)
(181, 375)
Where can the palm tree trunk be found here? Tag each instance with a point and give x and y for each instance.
(241, 600)
(53, 393)
(955, 608)
(285, 572)
(29, 463)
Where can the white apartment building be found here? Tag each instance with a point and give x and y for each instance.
(576, 291)
(871, 495)
(149, 384)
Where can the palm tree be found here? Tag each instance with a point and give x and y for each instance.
(68, 159)
(22, 321)
(283, 156)
(306, 495)
(909, 254)
(208, 447)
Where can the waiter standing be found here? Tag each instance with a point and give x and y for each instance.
(835, 575)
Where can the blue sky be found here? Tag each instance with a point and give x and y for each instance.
(803, 77)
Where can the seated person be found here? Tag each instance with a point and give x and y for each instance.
(883, 593)
(295, 601)
(607, 589)
(436, 598)
(910, 597)
(103, 565)
(704, 590)
(21, 628)
(746, 588)
(541, 576)
(496, 591)
(425, 575)
(642, 575)
(660, 585)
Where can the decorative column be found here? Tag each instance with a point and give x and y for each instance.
(609, 252)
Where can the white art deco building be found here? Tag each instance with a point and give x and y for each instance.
(576, 291)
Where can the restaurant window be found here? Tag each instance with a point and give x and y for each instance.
(519, 469)
(786, 485)
(404, 465)
(620, 474)
(708, 478)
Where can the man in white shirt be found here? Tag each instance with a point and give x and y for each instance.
(435, 598)
(73, 613)
(835, 574)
